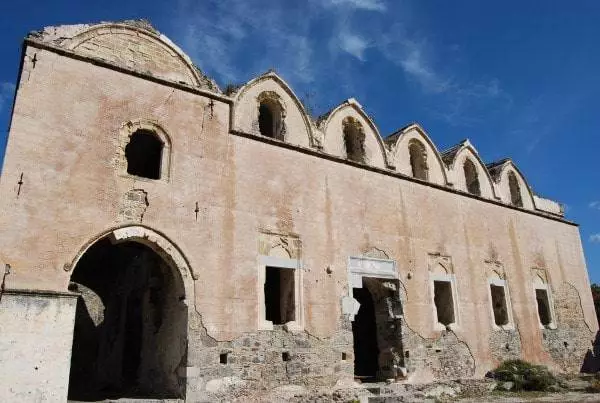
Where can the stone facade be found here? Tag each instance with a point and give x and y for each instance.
(259, 246)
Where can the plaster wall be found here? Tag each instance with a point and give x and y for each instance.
(225, 189)
(35, 346)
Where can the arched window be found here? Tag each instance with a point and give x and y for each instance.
(144, 154)
(270, 119)
(471, 177)
(418, 159)
(515, 190)
(354, 140)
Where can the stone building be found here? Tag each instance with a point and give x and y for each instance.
(164, 238)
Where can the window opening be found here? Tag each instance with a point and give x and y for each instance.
(543, 305)
(515, 191)
(499, 305)
(279, 295)
(354, 140)
(270, 119)
(418, 160)
(444, 304)
(471, 177)
(144, 154)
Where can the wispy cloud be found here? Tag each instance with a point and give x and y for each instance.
(595, 238)
(6, 92)
(594, 205)
(218, 34)
(353, 44)
(459, 98)
(236, 39)
(371, 5)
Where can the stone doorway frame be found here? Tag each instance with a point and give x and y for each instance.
(171, 254)
(359, 269)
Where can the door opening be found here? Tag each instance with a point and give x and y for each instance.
(364, 330)
(130, 332)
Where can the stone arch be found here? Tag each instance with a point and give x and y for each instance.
(154, 52)
(131, 127)
(455, 159)
(155, 295)
(502, 172)
(400, 160)
(154, 240)
(332, 127)
(245, 115)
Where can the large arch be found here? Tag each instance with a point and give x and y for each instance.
(133, 315)
(500, 172)
(455, 158)
(332, 128)
(399, 143)
(271, 87)
(105, 41)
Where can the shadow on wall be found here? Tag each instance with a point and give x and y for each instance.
(591, 362)
(130, 327)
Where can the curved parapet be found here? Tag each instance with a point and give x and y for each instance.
(293, 126)
(133, 45)
(350, 117)
(463, 158)
(512, 188)
(402, 144)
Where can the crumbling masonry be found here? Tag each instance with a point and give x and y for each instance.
(165, 239)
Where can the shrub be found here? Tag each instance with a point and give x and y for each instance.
(594, 386)
(524, 375)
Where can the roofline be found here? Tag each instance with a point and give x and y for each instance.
(230, 101)
(101, 63)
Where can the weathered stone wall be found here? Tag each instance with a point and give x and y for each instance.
(505, 345)
(572, 339)
(224, 190)
(35, 346)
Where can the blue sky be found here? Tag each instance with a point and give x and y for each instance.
(520, 79)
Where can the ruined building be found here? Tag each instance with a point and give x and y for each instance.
(163, 238)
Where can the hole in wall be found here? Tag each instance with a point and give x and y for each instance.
(543, 305)
(143, 154)
(444, 304)
(223, 358)
(499, 305)
(285, 356)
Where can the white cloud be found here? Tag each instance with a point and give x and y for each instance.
(7, 91)
(595, 238)
(353, 44)
(371, 5)
(594, 205)
(217, 33)
(418, 68)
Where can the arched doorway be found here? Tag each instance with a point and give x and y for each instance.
(130, 334)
